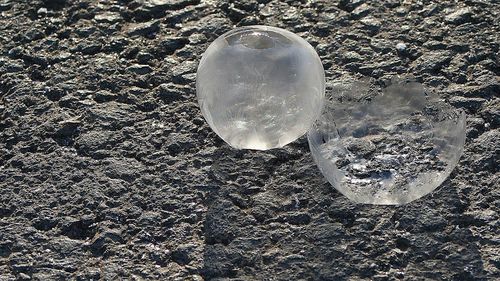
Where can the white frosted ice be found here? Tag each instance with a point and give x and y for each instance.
(260, 87)
(386, 147)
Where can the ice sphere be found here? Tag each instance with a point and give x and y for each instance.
(386, 147)
(260, 87)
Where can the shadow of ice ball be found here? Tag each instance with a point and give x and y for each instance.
(260, 87)
(386, 147)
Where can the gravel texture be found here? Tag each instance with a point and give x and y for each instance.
(109, 172)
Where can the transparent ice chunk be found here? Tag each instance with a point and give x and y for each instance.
(388, 146)
(260, 87)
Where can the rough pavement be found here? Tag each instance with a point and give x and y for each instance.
(108, 170)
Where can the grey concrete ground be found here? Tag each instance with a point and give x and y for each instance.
(109, 172)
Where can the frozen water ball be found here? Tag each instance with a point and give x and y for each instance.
(386, 147)
(260, 87)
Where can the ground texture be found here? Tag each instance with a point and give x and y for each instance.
(108, 170)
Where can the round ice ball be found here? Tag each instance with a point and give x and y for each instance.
(260, 87)
(386, 147)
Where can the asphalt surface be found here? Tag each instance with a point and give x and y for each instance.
(108, 171)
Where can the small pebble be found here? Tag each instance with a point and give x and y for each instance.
(42, 11)
(140, 69)
(401, 47)
(459, 16)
